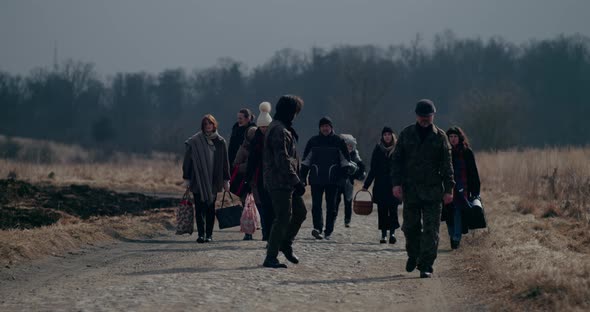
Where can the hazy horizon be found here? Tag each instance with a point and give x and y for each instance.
(152, 36)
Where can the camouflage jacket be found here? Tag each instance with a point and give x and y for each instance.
(281, 164)
(424, 169)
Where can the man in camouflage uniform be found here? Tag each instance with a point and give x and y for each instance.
(422, 175)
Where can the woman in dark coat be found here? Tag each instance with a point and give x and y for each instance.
(254, 174)
(205, 171)
(467, 185)
(239, 131)
(380, 172)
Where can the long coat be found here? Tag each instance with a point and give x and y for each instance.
(238, 134)
(220, 165)
(380, 172)
(473, 188)
(243, 153)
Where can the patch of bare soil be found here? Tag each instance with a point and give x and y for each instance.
(24, 205)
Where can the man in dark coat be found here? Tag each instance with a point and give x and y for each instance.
(238, 132)
(281, 180)
(422, 176)
(324, 160)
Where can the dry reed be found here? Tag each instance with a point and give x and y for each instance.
(535, 253)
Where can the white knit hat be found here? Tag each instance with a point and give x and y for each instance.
(264, 118)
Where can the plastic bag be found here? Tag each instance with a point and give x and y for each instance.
(185, 215)
(248, 221)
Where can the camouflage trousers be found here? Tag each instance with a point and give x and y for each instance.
(421, 226)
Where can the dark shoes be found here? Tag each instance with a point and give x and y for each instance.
(411, 264)
(289, 255)
(426, 271)
(392, 239)
(248, 237)
(383, 240)
(425, 274)
(347, 224)
(317, 234)
(273, 263)
(200, 240)
(455, 244)
(208, 239)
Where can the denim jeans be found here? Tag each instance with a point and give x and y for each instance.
(455, 227)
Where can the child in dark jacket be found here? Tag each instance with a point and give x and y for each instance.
(355, 172)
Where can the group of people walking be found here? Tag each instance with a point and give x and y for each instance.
(432, 172)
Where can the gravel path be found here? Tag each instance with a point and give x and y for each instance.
(352, 272)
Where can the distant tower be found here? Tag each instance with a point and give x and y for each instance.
(55, 57)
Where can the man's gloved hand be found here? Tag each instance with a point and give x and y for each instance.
(350, 169)
(299, 189)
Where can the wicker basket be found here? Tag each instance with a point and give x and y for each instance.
(363, 207)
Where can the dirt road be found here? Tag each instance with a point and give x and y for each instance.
(352, 272)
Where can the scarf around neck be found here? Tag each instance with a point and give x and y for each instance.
(211, 136)
(388, 150)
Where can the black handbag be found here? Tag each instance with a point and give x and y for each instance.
(228, 217)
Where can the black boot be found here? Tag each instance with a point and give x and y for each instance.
(425, 274)
(392, 239)
(411, 264)
(317, 234)
(289, 255)
(273, 263)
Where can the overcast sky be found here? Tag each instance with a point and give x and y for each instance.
(132, 35)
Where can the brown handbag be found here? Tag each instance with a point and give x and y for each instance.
(363, 207)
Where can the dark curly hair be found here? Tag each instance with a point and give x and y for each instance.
(463, 139)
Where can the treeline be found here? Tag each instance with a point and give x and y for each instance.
(503, 94)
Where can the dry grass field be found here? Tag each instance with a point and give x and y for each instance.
(535, 255)
(17, 246)
(61, 164)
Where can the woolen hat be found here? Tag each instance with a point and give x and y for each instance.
(326, 121)
(386, 130)
(453, 130)
(264, 118)
(425, 108)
